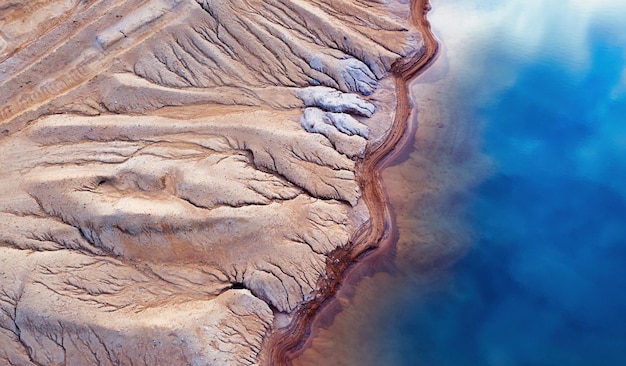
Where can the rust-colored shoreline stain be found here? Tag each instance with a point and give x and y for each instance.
(287, 344)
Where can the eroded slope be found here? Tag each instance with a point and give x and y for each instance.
(131, 233)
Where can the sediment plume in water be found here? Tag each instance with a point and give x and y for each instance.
(426, 182)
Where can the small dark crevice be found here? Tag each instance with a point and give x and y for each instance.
(237, 286)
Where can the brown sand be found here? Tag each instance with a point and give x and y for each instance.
(142, 192)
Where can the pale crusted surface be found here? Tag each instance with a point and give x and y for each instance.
(174, 236)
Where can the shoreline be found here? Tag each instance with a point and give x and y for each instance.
(284, 345)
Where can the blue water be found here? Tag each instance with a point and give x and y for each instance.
(544, 282)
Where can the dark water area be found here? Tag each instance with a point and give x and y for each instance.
(511, 205)
(544, 282)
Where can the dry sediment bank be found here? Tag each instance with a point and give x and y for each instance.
(189, 184)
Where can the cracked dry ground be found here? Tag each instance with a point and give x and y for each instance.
(175, 173)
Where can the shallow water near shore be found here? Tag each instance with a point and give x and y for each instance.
(510, 204)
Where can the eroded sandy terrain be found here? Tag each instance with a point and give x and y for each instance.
(176, 173)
